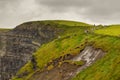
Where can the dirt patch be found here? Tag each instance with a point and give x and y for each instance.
(64, 72)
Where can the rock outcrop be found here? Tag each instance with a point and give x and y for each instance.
(18, 45)
(89, 55)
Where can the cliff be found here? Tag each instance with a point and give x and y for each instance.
(18, 45)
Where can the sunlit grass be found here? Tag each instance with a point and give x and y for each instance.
(113, 30)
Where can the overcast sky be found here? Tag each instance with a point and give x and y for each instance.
(15, 12)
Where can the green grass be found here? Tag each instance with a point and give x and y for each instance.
(113, 30)
(59, 47)
(70, 23)
(107, 68)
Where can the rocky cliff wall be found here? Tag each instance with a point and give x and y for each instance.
(18, 45)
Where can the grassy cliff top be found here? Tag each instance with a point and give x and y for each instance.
(56, 22)
(106, 68)
(68, 23)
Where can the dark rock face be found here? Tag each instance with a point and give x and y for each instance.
(18, 45)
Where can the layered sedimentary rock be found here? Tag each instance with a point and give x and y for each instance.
(18, 45)
(2, 43)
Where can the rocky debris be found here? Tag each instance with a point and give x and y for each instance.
(56, 61)
(18, 45)
(63, 72)
(57, 69)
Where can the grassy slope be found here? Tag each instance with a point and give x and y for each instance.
(105, 69)
(113, 30)
(108, 68)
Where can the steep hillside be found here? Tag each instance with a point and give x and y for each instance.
(58, 45)
(21, 42)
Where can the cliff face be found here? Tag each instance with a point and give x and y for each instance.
(2, 44)
(18, 45)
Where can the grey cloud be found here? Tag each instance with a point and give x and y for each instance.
(14, 12)
(63, 5)
(101, 5)
(95, 10)
(5, 4)
(104, 11)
